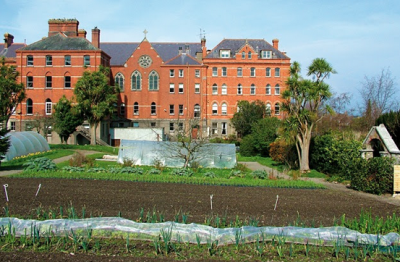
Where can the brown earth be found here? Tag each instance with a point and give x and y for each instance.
(109, 198)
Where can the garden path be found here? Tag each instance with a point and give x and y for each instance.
(386, 198)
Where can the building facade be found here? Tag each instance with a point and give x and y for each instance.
(163, 85)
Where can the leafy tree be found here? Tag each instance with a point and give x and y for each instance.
(303, 101)
(66, 118)
(96, 98)
(248, 113)
(11, 95)
(379, 95)
(263, 133)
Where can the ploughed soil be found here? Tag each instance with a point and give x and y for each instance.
(315, 207)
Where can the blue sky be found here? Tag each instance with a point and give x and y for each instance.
(358, 38)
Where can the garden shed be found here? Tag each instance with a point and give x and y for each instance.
(149, 152)
(379, 143)
(24, 143)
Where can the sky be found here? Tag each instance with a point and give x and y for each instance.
(357, 37)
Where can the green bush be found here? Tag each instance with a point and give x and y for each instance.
(260, 174)
(247, 146)
(374, 175)
(154, 171)
(40, 164)
(210, 174)
(331, 154)
(182, 172)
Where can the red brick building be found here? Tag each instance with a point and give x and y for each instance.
(162, 84)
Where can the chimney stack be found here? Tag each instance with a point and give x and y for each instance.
(8, 40)
(69, 27)
(275, 43)
(203, 46)
(96, 37)
(82, 33)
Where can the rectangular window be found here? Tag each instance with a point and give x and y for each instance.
(49, 60)
(171, 109)
(267, 72)
(67, 60)
(224, 128)
(180, 72)
(277, 90)
(180, 126)
(180, 88)
(180, 110)
(135, 124)
(48, 108)
(67, 82)
(239, 71)
(252, 90)
(171, 127)
(266, 54)
(153, 124)
(13, 126)
(277, 72)
(225, 53)
(268, 90)
(214, 71)
(197, 73)
(172, 88)
(197, 88)
(253, 71)
(86, 60)
(48, 81)
(214, 128)
(29, 82)
(29, 60)
(136, 109)
(224, 71)
(239, 90)
(171, 73)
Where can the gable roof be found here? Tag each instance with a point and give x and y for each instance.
(183, 59)
(120, 52)
(236, 44)
(61, 42)
(10, 51)
(385, 137)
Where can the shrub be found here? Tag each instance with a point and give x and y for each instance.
(374, 175)
(73, 169)
(40, 164)
(331, 154)
(260, 174)
(154, 171)
(236, 173)
(247, 146)
(158, 164)
(127, 162)
(97, 170)
(283, 153)
(77, 159)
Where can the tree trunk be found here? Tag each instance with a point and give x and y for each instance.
(93, 128)
(304, 152)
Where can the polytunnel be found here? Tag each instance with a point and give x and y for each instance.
(24, 143)
(211, 155)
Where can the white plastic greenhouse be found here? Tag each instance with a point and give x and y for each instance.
(147, 152)
(24, 143)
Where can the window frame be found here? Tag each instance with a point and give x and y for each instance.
(171, 109)
(277, 72)
(277, 89)
(137, 84)
(215, 71)
(67, 82)
(224, 89)
(277, 110)
(214, 109)
(122, 109)
(29, 106)
(197, 88)
(86, 60)
(224, 128)
(119, 77)
(197, 73)
(29, 82)
(225, 53)
(197, 111)
(136, 109)
(48, 107)
(268, 72)
(249, 55)
(67, 60)
(154, 81)
(240, 89)
(252, 72)
(268, 89)
(224, 71)
(49, 82)
(239, 71)
(153, 109)
(172, 73)
(224, 109)
(49, 60)
(171, 88)
(181, 73)
(29, 60)
(253, 89)
(215, 89)
(180, 108)
(180, 88)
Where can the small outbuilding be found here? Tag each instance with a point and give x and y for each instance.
(379, 143)
(24, 143)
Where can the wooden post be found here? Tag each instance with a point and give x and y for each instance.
(396, 180)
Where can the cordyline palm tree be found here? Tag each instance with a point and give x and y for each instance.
(303, 102)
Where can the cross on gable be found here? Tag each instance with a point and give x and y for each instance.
(145, 33)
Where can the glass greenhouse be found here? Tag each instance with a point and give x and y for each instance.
(147, 152)
(24, 143)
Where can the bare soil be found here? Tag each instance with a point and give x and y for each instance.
(111, 198)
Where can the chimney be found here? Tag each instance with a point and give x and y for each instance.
(203, 46)
(96, 37)
(8, 40)
(82, 33)
(275, 43)
(69, 27)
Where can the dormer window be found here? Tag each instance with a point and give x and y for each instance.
(266, 54)
(225, 53)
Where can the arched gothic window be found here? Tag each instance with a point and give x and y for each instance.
(136, 80)
(153, 80)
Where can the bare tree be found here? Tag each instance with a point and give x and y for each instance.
(185, 144)
(379, 92)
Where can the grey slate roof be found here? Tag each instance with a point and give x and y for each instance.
(385, 137)
(235, 44)
(10, 51)
(120, 52)
(183, 59)
(61, 42)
